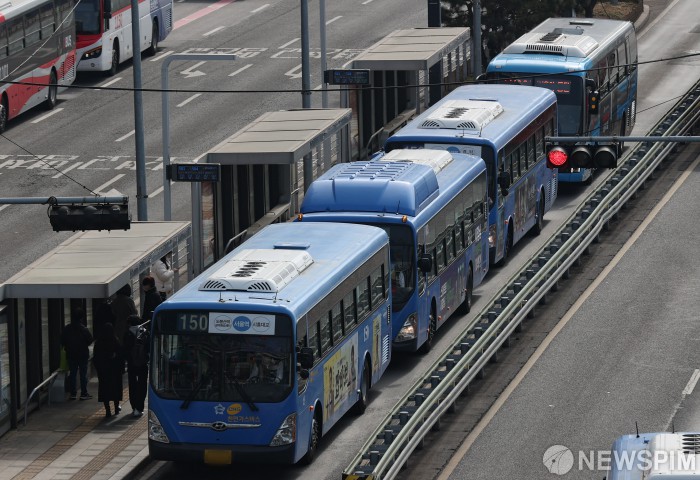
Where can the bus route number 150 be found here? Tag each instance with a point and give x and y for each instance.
(193, 322)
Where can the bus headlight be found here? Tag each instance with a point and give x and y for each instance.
(492, 236)
(92, 53)
(155, 429)
(409, 329)
(287, 433)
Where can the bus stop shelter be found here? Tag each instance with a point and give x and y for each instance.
(83, 271)
(410, 60)
(265, 169)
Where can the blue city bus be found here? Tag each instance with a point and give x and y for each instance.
(433, 206)
(591, 65)
(506, 126)
(258, 357)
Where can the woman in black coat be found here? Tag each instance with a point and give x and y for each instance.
(108, 359)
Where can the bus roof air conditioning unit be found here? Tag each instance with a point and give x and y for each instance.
(561, 41)
(260, 270)
(435, 159)
(470, 115)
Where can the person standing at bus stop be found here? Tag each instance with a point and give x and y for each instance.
(108, 360)
(151, 297)
(123, 307)
(163, 274)
(76, 338)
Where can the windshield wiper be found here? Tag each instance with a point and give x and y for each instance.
(185, 405)
(241, 391)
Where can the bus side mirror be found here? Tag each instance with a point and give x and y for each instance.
(591, 84)
(306, 358)
(107, 15)
(304, 373)
(425, 263)
(503, 180)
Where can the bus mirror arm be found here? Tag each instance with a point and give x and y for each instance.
(591, 84)
(503, 180)
(107, 15)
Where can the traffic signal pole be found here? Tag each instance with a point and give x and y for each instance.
(58, 200)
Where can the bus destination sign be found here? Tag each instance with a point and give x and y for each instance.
(195, 172)
(347, 77)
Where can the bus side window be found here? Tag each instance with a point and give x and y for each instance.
(3, 41)
(32, 28)
(314, 340)
(377, 287)
(622, 61)
(362, 299)
(349, 309)
(325, 323)
(336, 315)
(16, 36)
(48, 22)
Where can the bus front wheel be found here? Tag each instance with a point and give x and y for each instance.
(539, 219)
(114, 66)
(432, 327)
(52, 97)
(314, 441)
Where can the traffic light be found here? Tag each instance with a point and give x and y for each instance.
(571, 155)
(70, 218)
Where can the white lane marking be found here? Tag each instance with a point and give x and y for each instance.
(288, 43)
(111, 82)
(692, 382)
(319, 87)
(3, 207)
(162, 56)
(125, 136)
(240, 70)
(52, 112)
(501, 400)
(157, 191)
(333, 19)
(101, 188)
(211, 32)
(75, 165)
(189, 99)
(260, 8)
(366, 2)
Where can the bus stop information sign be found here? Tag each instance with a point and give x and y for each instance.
(195, 172)
(347, 77)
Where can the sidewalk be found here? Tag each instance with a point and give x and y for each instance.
(74, 440)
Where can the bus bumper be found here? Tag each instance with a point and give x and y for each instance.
(407, 346)
(216, 454)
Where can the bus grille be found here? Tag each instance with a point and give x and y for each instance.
(168, 19)
(533, 47)
(691, 443)
(386, 345)
(69, 69)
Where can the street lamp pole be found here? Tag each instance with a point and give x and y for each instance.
(166, 116)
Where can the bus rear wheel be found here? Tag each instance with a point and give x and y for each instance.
(153, 48)
(314, 441)
(52, 97)
(3, 114)
(362, 401)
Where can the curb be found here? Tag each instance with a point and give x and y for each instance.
(642, 20)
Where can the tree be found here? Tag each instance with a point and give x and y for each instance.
(503, 21)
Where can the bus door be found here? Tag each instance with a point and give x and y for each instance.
(501, 223)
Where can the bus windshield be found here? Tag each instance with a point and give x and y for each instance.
(402, 247)
(222, 367)
(569, 91)
(87, 17)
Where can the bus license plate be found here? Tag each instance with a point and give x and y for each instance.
(217, 457)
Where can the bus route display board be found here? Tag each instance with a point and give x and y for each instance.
(347, 77)
(195, 172)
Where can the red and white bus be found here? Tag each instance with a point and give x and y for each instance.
(104, 31)
(37, 54)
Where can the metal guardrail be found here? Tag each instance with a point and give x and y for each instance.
(404, 428)
(49, 381)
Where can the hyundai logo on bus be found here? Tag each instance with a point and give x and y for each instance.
(565, 155)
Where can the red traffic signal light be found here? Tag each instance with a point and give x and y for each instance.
(556, 156)
(582, 156)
